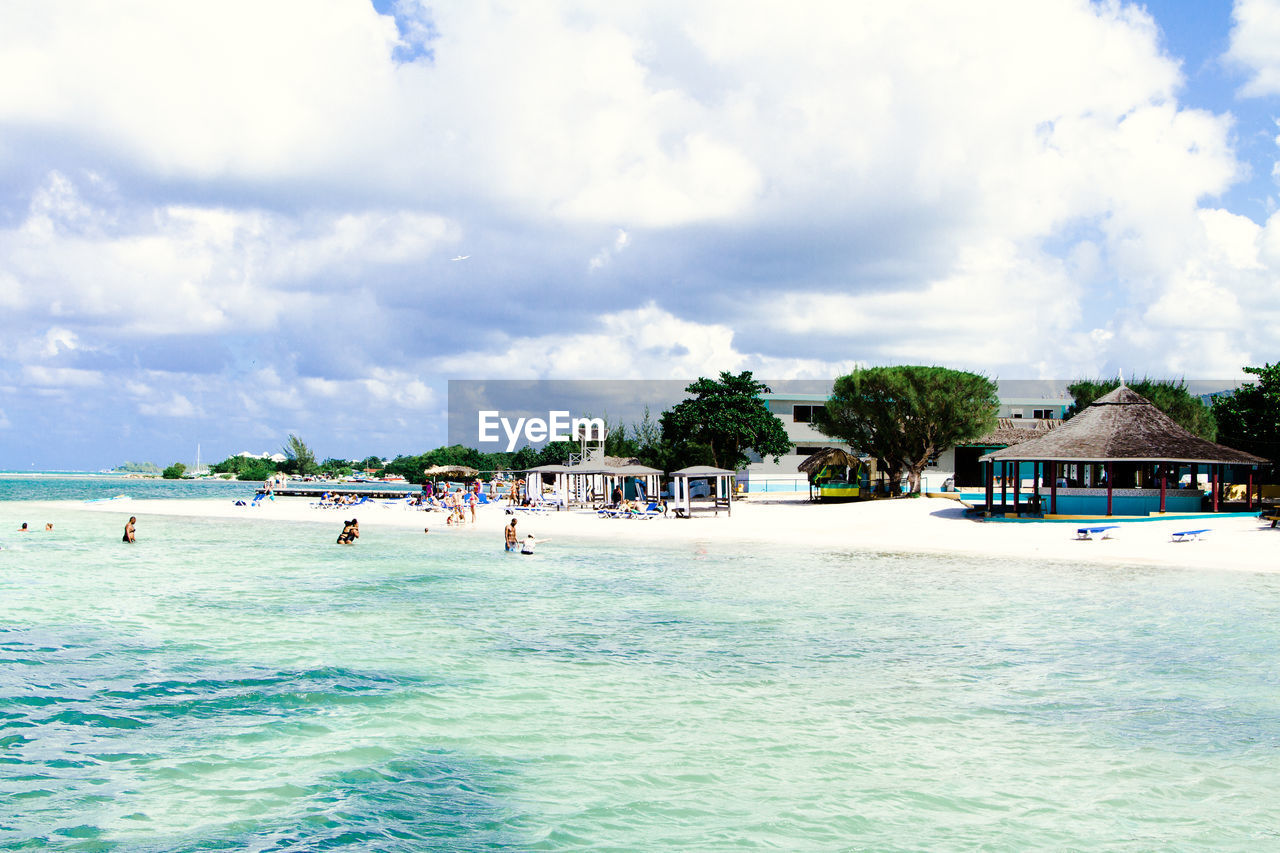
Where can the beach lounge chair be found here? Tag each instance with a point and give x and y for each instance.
(1102, 531)
(1190, 535)
(1274, 518)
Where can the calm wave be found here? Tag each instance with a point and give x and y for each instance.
(251, 686)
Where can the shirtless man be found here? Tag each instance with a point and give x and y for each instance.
(510, 535)
(129, 532)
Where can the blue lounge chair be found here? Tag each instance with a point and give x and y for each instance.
(1190, 535)
(1089, 532)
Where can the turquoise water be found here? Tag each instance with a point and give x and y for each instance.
(252, 686)
(98, 486)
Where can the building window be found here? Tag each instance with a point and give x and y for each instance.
(806, 451)
(1015, 413)
(1044, 414)
(807, 414)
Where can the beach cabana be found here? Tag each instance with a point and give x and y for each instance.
(1120, 456)
(593, 480)
(721, 499)
(645, 479)
(559, 475)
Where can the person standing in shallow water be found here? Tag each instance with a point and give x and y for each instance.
(510, 534)
(129, 532)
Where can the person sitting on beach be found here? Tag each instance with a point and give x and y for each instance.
(509, 534)
(526, 547)
(350, 533)
(130, 534)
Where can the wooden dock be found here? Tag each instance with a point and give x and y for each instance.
(384, 493)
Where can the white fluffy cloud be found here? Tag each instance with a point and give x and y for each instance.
(1255, 45)
(245, 207)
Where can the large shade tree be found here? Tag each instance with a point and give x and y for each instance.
(1249, 418)
(1168, 395)
(728, 417)
(906, 415)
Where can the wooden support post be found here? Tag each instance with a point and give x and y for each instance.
(1053, 488)
(1110, 472)
(1017, 486)
(1248, 492)
(1004, 484)
(1163, 478)
(1214, 469)
(991, 476)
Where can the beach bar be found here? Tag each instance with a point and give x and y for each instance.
(1120, 456)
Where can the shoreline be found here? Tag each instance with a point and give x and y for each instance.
(934, 526)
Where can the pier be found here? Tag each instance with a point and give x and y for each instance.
(383, 493)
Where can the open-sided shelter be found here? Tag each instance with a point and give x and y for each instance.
(1120, 456)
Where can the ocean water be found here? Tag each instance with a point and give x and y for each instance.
(253, 686)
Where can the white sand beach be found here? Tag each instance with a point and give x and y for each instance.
(920, 525)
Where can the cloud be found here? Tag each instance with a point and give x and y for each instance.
(603, 257)
(61, 378)
(248, 210)
(1255, 45)
(643, 343)
(176, 406)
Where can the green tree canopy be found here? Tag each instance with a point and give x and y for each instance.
(245, 466)
(1249, 418)
(302, 461)
(174, 471)
(729, 417)
(906, 415)
(256, 469)
(1168, 395)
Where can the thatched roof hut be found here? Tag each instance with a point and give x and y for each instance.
(450, 471)
(827, 456)
(1122, 426)
(1123, 437)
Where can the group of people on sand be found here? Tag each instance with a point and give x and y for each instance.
(330, 499)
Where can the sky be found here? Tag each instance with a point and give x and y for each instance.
(225, 222)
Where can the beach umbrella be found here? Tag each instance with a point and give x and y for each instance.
(450, 471)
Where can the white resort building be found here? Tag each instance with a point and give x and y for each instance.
(1019, 411)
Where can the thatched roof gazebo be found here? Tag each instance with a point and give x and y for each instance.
(1120, 438)
(458, 471)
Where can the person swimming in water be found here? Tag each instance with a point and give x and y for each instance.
(130, 533)
(509, 535)
(350, 533)
(526, 547)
